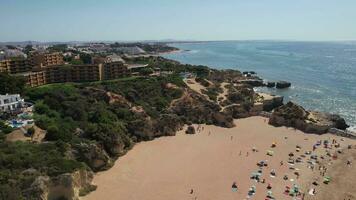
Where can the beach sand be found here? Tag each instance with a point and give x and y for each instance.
(210, 161)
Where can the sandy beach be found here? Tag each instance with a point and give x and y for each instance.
(205, 165)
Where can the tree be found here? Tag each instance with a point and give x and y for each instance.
(146, 71)
(11, 84)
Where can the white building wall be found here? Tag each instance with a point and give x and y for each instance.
(10, 102)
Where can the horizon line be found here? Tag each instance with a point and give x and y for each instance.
(176, 40)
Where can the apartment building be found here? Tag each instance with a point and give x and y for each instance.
(15, 65)
(76, 73)
(62, 74)
(113, 70)
(46, 59)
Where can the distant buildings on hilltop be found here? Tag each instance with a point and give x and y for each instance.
(42, 64)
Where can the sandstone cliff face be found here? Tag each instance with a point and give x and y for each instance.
(93, 155)
(237, 111)
(293, 115)
(66, 186)
(270, 102)
(195, 108)
(147, 128)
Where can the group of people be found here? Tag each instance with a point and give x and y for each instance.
(312, 161)
(308, 158)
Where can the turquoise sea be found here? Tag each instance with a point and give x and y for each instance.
(323, 74)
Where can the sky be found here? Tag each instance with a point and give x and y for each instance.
(129, 20)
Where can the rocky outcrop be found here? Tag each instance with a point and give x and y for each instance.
(237, 111)
(148, 129)
(190, 130)
(167, 125)
(283, 84)
(223, 120)
(271, 84)
(270, 102)
(93, 155)
(195, 108)
(65, 186)
(293, 115)
(255, 82)
(39, 189)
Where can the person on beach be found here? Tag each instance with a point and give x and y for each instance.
(348, 163)
(234, 187)
(191, 191)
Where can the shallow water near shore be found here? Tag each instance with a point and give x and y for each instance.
(323, 74)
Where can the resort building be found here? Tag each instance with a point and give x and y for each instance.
(76, 73)
(10, 102)
(15, 65)
(38, 59)
(113, 70)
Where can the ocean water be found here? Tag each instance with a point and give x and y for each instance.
(323, 74)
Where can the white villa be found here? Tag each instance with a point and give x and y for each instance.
(10, 102)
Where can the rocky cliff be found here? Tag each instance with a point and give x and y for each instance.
(66, 186)
(293, 115)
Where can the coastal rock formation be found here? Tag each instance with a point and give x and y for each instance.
(168, 125)
(66, 186)
(94, 156)
(220, 119)
(237, 111)
(271, 84)
(195, 108)
(254, 82)
(148, 128)
(225, 76)
(269, 101)
(283, 84)
(293, 115)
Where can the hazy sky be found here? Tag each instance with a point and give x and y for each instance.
(65, 20)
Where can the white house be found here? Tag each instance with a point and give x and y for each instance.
(10, 102)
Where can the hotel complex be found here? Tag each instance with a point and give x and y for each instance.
(45, 68)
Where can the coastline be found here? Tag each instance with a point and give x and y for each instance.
(171, 52)
(103, 179)
(278, 60)
(208, 162)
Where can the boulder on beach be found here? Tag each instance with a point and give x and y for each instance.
(190, 130)
(293, 115)
(283, 84)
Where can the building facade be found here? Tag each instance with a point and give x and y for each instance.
(15, 65)
(113, 70)
(46, 59)
(76, 73)
(10, 102)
